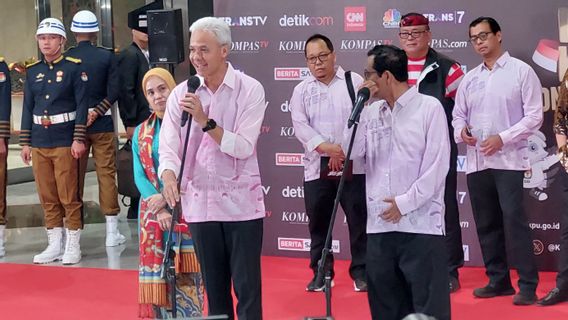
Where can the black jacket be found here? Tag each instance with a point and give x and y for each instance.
(132, 66)
(103, 86)
(432, 81)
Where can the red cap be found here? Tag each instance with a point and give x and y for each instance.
(413, 19)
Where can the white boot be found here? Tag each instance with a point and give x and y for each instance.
(113, 237)
(2, 251)
(72, 253)
(113, 254)
(53, 251)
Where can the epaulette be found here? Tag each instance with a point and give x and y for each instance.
(109, 49)
(32, 64)
(75, 60)
(1, 59)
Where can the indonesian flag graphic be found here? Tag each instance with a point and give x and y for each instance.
(546, 54)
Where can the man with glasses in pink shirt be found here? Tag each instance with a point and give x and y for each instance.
(221, 192)
(498, 105)
(320, 107)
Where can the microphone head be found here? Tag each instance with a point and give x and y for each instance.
(193, 83)
(364, 93)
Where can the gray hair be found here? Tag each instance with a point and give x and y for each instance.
(217, 26)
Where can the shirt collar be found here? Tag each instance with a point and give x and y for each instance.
(229, 80)
(230, 76)
(407, 96)
(501, 62)
(339, 74)
(61, 57)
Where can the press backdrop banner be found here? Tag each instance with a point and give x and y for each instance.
(268, 44)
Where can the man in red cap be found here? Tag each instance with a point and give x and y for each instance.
(438, 76)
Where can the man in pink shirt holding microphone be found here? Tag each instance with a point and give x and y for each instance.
(221, 192)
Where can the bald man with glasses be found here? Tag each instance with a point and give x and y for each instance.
(320, 107)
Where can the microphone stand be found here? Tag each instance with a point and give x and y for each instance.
(169, 269)
(327, 251)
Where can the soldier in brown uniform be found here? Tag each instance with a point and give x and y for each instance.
(102, 92)
(53, 132)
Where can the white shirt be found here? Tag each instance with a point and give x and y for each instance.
(319, 114)
(407, 157)
(506, 101)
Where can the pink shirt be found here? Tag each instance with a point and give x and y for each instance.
(506, 101)
(220, 182)
(319, 114)
(407, 157)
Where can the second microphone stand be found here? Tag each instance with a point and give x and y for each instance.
(327, 251)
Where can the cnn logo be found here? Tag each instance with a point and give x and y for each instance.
(355, 19)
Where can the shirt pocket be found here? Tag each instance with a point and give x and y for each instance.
(378, 139)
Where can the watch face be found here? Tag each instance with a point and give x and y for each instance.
(211, 124)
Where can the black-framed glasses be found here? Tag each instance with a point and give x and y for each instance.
(480, 36)
(321, 57)
(415, 34)
(367, 74)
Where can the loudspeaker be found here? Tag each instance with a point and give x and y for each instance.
(197, 9)
(165, 36)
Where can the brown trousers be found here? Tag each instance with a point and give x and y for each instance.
(104, 154)
(3, 183)
(57, 182)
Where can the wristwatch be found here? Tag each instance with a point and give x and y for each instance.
(211, 124)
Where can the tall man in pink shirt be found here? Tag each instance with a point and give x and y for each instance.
(404, 141)
(498, 105)
(438, 76)
(221, 191)
(320, 107)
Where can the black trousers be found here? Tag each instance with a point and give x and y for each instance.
(229, 252)
(453, 237)
(497, 203)
(319, 196)
(562, 276)
(406, 273)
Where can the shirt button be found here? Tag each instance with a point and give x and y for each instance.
(48, 81)
(46, 96)
(50, 67)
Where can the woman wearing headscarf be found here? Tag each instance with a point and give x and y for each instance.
(155, 219)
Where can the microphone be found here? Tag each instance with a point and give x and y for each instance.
(192, 84)
(362, 96)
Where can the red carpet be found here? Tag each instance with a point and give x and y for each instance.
(41, 292)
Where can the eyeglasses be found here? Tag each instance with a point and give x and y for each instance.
(322, 58)
(480, 36)
(367, 74)
(415, 34)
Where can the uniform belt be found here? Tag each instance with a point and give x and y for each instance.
(108, 113)
(47, 120)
